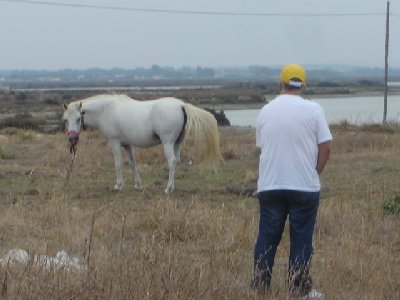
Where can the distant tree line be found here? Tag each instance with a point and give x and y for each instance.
(156, 72)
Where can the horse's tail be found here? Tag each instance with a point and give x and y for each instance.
(202, 126)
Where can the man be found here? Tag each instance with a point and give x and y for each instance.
(294, 139)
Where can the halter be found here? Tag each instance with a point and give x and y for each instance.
(72, 149)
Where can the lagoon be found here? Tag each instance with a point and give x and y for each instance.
(355, 110)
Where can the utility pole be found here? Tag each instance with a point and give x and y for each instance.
(386, 63)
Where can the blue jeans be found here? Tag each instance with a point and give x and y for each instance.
(275, 206)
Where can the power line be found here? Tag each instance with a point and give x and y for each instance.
(191, 12)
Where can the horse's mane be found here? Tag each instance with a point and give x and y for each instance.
(99, 101)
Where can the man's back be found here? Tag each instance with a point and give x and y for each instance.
(289, 130)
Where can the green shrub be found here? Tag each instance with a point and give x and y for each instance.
(25, 121)
(6, 154)
(391, 205)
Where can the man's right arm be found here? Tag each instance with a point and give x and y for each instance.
(324, 150)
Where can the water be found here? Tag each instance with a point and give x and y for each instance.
(355, 110)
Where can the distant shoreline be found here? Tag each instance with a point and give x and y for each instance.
(238, 106)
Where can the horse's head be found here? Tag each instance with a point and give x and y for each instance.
(74, 121)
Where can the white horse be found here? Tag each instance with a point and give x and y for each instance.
(127, 122)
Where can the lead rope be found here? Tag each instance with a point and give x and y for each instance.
(72, 150)
(69, 167)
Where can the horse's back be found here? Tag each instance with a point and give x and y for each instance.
(167, 107)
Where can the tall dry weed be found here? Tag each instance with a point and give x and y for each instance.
(199, 241)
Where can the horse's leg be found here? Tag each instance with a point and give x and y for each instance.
(132, 163)
(172, 162)
(116, 149)
(177, 152)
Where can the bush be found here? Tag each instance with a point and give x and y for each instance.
(51, 101)
(24, 121)
(21, 97)
(219, 115)
(6, 153)
(391, 205)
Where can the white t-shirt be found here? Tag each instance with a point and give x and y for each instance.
(288, 132)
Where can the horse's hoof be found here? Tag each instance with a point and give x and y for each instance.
(138, 188)
(117, 187)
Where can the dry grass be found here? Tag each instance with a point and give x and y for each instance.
(198, 242)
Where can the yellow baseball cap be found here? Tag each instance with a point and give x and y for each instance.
(293, 75)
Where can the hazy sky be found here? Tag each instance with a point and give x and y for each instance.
(171, 33)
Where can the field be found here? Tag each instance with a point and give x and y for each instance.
(197, 242)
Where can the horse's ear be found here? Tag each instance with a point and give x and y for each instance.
(80, 109)
(65, 106)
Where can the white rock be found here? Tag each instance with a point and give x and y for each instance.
(61, 260)
(15, 255)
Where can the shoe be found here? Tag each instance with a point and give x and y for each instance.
(258, 288)
(313, 294)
